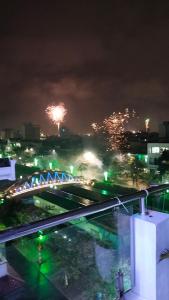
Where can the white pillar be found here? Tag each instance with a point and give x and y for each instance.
(151, 238)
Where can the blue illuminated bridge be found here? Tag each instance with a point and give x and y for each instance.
(41, 180)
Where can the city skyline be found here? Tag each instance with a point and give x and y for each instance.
(95, 58)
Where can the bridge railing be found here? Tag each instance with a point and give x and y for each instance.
(81, 254)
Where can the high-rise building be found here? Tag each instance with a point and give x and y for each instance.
(164, 130)
(30, 131)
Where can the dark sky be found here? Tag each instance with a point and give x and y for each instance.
(95, 56)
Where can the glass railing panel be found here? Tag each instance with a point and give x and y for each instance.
(31, 208)
(159, 201)
(88, 258)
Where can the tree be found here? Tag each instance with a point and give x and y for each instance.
(78, 273)
(136, 170)
(163, 162)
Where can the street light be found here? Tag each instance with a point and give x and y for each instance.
(105, 175)
(71, 169)
(50, 165)
(36, 162)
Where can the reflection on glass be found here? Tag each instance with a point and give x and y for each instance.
(79, 260)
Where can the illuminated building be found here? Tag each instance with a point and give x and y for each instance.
(154, 151)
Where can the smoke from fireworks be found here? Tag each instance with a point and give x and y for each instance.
(56, 113)
(92, 159)
(114, 128)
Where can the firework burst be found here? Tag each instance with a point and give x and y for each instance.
(95, 127)
(114, 128)
(147, 124)
(56, 114)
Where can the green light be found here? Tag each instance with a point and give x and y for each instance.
(167, 191)
(41, 237)
(104, 192)
(0, 155)
(50, 165)
(1, 201)
(36, 162)
(105, 175)
(146, 158)
(71, 169)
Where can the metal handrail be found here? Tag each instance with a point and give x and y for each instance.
(24, 230)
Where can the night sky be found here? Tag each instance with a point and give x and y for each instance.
(96, 58)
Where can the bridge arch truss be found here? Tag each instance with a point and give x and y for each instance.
(39, 181)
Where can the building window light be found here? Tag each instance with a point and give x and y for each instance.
(155, 150)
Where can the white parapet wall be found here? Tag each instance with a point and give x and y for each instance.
(3, 261)
(3, 267)
(7, 169)
(151, 239)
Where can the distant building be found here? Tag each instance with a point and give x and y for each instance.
(7, 133)
(43, 136)
(154, 151)
(7, 169)
(30, 131)
(164, 130)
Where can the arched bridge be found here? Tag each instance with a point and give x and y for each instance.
(40, 181)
